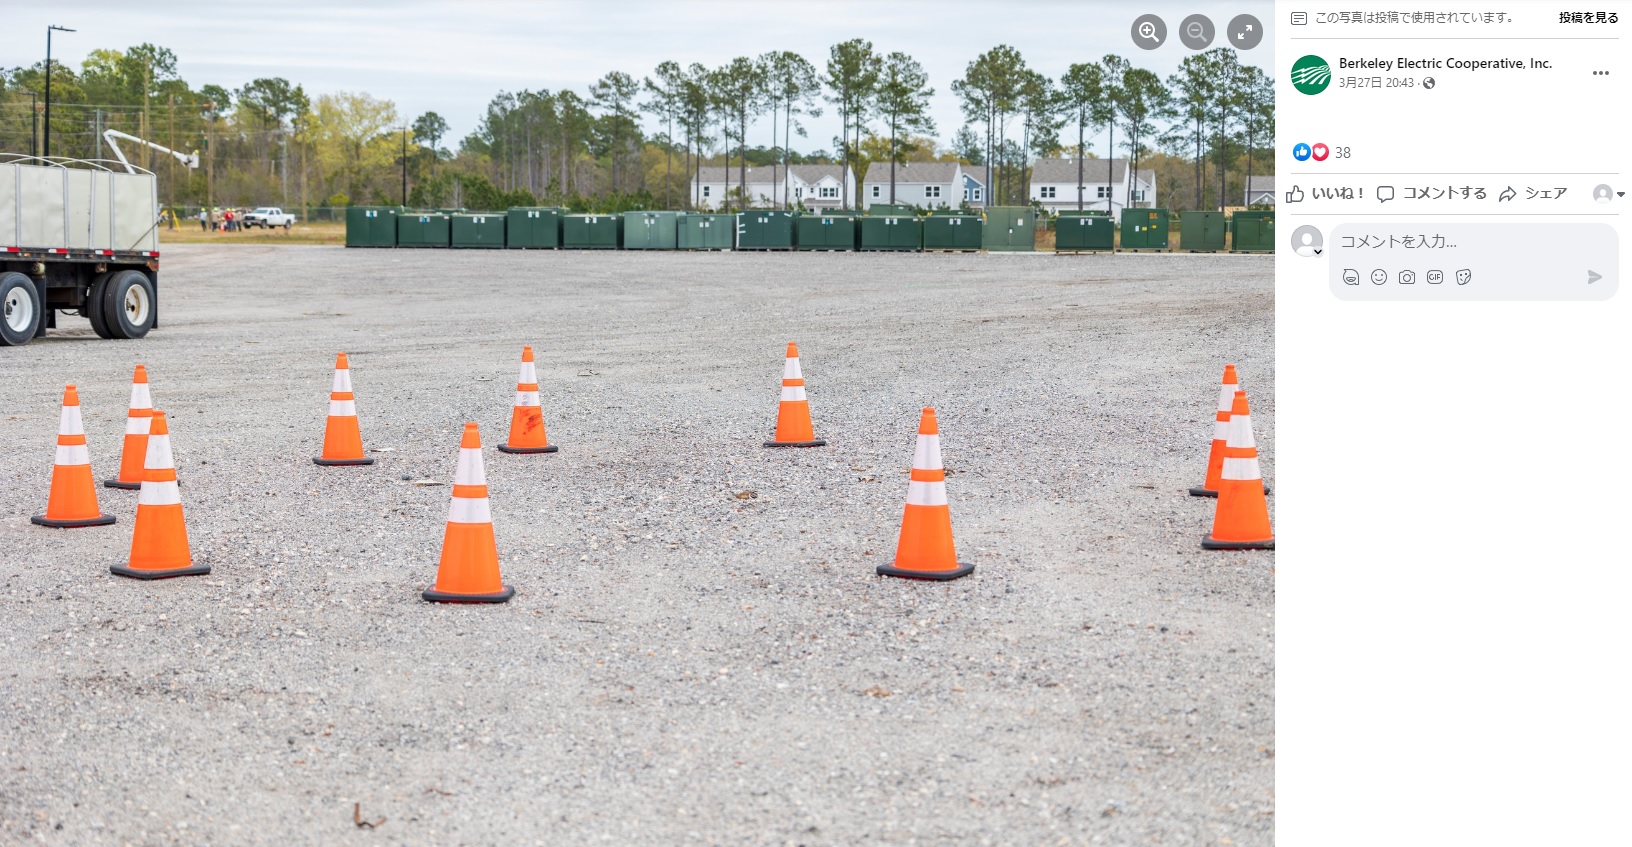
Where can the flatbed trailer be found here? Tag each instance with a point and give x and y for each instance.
(76, 236)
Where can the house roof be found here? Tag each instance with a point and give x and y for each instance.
(714, 173)
(976, 174)
(1064, 171)
(811, 174)
(1148, 177)
(1261, 183)
(928, 173)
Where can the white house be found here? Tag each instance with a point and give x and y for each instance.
(816, 186)
(1261, 191)
(1054, 185)
(927, 185)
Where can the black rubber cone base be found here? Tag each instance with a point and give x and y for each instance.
(128, 486)
(1209, 543)
(1199, 491)
(820, 442)
(936, 576)
(435, 596)
(195, 570)
(99, 520)
(329, 463)
(505, 448)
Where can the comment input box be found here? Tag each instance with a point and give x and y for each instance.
(1473, 261)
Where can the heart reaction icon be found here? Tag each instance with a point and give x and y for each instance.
(1320, 152)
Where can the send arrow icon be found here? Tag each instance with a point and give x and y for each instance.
(1592, 277)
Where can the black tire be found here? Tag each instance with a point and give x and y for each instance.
(128, 313)
(93, 305)
(20, 309)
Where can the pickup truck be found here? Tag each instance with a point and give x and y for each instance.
(268, 216)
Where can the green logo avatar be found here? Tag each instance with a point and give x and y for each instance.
(1311, 75)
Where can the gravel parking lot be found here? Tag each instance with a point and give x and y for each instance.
(698, 650)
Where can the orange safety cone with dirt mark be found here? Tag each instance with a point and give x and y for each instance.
(134, 459)
(73, 492)
(527, 417)
(1241, 519)
(469, 570)
(925, 549)
(793, 427)
(158, 547)
(342, 438)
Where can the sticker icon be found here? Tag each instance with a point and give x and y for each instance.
(1320, 152)
(1464, 276)
(1311, 74)
(1300, 151)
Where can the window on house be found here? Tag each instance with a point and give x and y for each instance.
(932, 191)
(978, 193)
(1138, 196)
(1102, 192)
(705, 191)
(829, 192)
(799, 193)
(1047, 192)
(968, 194)
(876, 190)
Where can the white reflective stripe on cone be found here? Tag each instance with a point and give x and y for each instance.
(158, 453)
(159, 494)
(342, 379)
(1221, 430)
(528, 374)
(1242, 469)
(71, 423)
(1241, 431)
(1226, 397)
(927, 457)
(926, 494)
(342, 408)
(469, 510)
(470, 470)
(790, 369)
(73, 454)
(138, 426)
(526, 398)
(139, 397)
(793, 392)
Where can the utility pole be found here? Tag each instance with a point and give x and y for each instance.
(405, 166)
(48, 30)
(33, 124)
(98, 134)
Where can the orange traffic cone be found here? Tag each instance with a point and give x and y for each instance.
(136, 424)
(527, 419)
(158, 547)
(73, 492)
(342, 439)
(1241, 520)
(1215, 456)
(925, 549)
(793, 427)
(469, 571)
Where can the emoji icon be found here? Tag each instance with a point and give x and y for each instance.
(1379, 276)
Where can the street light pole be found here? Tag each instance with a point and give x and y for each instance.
(47, 146)
(405, 166)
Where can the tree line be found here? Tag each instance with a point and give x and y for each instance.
(628, 142)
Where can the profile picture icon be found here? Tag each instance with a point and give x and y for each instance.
(1603, 194)
(1307, 241)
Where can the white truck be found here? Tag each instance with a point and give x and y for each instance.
(268, 216)
(77, 236)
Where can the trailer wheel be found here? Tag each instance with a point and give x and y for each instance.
(19, 309)
(129, 305)
(93, 305)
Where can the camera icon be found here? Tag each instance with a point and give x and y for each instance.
(1408, 277)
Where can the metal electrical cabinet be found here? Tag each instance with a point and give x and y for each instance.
(650, 230)
(479, 230)
(372, 226)
(424, 229)
(891, 232)
(891, 209)
(591, 232)
(1010, 228)
(1084, 232)
(827, 231)
(1201, 232)
(533, 228)
(765, 231)
(1144, 229)
(705, 232)
(952, 232)
(1252, 232)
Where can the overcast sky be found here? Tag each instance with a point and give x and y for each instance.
(453, 57)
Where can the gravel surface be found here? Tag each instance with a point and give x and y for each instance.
(698, 650)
